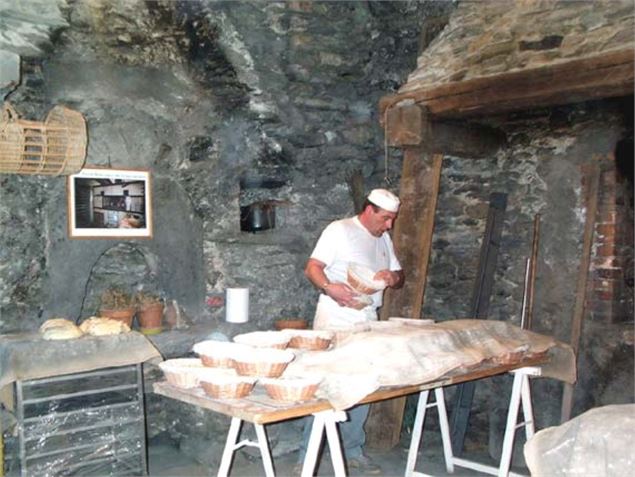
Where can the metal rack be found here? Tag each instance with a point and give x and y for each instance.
(89, 423)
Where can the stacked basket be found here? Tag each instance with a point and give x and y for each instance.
(230, 370)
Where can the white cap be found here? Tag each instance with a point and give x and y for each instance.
(385, 199)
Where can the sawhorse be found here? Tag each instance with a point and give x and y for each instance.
(323, 421)
(521, 394)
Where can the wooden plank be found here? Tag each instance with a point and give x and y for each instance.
(592, 181)
(480, 309)
(412, 125)
(600, 76)
(412, 237)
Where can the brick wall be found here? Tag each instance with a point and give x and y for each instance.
(610, 292)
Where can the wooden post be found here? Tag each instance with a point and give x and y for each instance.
(412, 236)
(592, 180)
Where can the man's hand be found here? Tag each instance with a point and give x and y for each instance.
(342, 294)
(390, 278)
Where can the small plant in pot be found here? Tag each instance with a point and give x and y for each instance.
(117, 304)
(149, 313)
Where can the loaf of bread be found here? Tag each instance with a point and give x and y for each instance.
(98, 326)
(60, 329)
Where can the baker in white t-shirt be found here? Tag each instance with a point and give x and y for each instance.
(363, 240)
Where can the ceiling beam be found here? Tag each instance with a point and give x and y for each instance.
(600, 76)
(412, 126)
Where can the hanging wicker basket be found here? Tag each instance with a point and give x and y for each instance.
(56, 146)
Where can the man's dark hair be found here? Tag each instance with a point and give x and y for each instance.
(367, 203)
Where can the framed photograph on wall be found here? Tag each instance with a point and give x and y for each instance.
(110, 203)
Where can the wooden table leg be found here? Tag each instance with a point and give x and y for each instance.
(264, 450)
(325, 420)
(230, 447)
(331, 419)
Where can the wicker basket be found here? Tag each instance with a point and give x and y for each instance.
(291, 389)
(53, 147)
(226, 384)
(264, 339)
(290, 324)
(310, 339)
(217, 354)
(361, 280)
(263, 362)
(182, 372)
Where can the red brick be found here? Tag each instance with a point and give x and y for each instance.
(605, 228)
(605, 250)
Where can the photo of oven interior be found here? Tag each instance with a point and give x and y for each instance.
(109, 203)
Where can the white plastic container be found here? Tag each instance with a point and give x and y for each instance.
(237, 305)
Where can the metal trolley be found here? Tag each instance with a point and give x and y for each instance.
(88, 423)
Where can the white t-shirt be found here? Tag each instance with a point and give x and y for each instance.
(348, 241)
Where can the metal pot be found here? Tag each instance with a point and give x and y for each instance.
(257, 216)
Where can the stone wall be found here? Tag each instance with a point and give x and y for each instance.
(219, 100)
(540, 170)
(491, 37)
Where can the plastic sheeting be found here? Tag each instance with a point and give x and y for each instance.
(78, 404)
(598, 443)
(396, 353)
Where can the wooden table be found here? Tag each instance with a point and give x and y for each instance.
(260, 410)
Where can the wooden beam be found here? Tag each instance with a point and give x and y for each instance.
(412, 236)
(412, 125)
(599, 76)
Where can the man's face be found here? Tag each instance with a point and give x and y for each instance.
(380, 221)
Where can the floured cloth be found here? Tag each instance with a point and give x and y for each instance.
(596, 443)
(403, 352)
(28, 356)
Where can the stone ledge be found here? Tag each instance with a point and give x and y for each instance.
(178, 342)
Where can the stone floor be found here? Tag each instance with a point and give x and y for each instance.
(166, 461)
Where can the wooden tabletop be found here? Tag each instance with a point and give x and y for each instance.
(259, 408)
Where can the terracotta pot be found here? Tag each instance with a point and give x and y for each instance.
(124, 315)
(150, 319)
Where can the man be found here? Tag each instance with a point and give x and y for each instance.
(364, 240)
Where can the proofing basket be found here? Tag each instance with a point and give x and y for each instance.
(226, 384)
(291, 389)
(264, 339)
(53, 147)
(360, 279)
(315, 340)
(182, 372)
(263, 362)
(217, 354)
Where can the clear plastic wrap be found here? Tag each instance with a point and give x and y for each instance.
(597, 443)
(89, 423)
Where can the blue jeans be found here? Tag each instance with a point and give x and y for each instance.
(352, 435)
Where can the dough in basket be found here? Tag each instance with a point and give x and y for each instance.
(96, 326)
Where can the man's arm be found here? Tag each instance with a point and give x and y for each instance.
(340, 292)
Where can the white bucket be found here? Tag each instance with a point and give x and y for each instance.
(237, 305)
